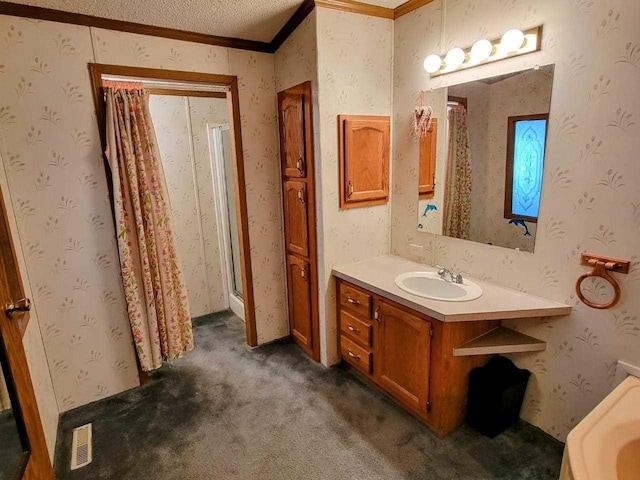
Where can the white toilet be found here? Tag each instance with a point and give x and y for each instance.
(605, 445)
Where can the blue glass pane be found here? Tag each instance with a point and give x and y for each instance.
(528, 160)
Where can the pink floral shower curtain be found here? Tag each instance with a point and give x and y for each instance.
(457, 201)
(154, 284)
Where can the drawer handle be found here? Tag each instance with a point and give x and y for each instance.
(353, 355)
(356, 330)
(353, 301)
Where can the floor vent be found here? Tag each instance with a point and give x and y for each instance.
(81, 452)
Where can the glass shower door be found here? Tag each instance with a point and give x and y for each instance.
(234, 242)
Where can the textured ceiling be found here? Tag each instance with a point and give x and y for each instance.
(247, 19)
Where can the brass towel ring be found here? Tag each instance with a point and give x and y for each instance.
(600, 268)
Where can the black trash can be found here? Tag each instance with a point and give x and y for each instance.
(496, 392)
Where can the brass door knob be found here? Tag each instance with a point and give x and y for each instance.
(22, 305)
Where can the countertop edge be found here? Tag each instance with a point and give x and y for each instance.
(560, 310)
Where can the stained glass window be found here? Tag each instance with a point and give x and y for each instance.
(526, 155)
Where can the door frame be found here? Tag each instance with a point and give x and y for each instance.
(230, 84)
(18, 380)
(304, 89)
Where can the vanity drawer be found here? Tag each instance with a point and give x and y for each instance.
(355, 355)
(354, 328)
(355, 299)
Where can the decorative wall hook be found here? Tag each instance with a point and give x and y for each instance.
(600, 267)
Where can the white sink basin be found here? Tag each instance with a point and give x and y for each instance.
(430, 285)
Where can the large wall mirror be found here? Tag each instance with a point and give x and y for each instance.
(482, 159)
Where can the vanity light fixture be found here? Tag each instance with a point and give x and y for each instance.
(512, 40)
(513, 43)
(432, 63)
(481, 50)
(454, 58)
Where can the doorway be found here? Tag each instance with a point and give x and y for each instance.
(226, 208)
(197, 85)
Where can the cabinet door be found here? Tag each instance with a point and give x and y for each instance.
(296, 217)
(364, 160)
(292, 135)
(428, 148)
(403, 355)
(298, 278)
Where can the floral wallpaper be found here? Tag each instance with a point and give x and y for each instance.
(51, 153)
(181, 129)
(296, 61)
(256, 78)
(590, 200)
(355, 54)
(32, 338)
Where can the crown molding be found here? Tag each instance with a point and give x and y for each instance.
(296, 19)
(361, 8)
(408, 7)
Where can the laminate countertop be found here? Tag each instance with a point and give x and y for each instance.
(378, 275)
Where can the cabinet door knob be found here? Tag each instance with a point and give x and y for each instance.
(376, 314)
(353, 329)
(302, 195)
(353, 301)
(299, 164)
(303, 272)
(22, 305)
(350, 189)
(353, 355)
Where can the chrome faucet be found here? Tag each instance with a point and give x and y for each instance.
(453, 277)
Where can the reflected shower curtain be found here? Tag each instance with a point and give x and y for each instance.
(154, 285)
(457, 201)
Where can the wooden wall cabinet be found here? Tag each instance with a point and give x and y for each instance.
(363, 146)
(427, 163)
(296, 217)
(408, 355)
(298, 186)
(292, 133)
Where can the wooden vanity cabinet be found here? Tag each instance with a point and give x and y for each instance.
(408, 355)
(403, 354)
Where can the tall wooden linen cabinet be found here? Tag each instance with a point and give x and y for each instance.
(298, 192)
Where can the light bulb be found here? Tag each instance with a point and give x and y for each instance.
(455, 57)
(432, 63)
(512, 40)
(481, 50)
